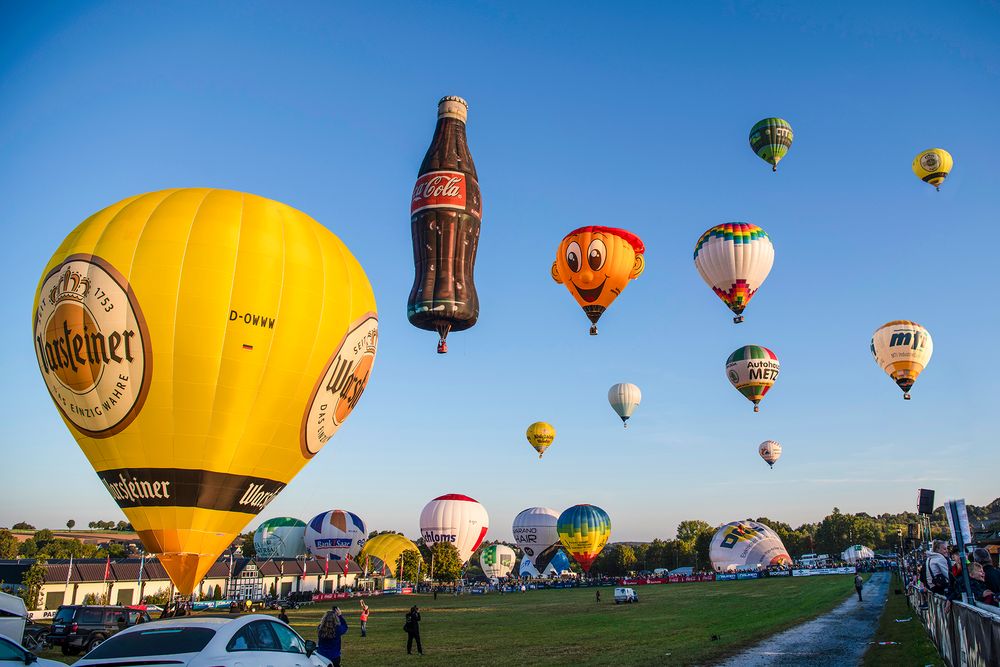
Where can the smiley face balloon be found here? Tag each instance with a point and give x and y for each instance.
(202, 346)
(595, 264)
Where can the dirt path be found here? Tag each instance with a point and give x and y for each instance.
(837, 638)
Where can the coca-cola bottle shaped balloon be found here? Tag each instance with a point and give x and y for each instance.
(445, 214)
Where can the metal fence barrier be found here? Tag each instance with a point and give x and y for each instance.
(963, 634)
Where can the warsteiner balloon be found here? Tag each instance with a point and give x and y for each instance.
(902, 349)
(933, 166)
(770, 451)
(583, 531)
(540, 436)
(202, 346)
(752, 369)
(746, 545)
(283, 537)
(734, 259)
(770, 139)
(595, 264)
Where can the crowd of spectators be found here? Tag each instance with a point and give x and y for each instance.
(940, 571)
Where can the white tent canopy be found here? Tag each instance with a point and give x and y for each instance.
(857, 552)
(12, 615)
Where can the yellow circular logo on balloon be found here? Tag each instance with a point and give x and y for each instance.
(91, 343)
(930, 161)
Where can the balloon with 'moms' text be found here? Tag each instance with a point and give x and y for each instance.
(202, 346)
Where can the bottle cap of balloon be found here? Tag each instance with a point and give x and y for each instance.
(452, 106)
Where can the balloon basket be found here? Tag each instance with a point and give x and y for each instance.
(442, 346)
(737, 319)
(774, 168)
(756, 408)
(906, 396)
(593, 330)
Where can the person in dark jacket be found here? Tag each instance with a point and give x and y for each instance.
(977, 581)
(990, 573)
(282, 616)
(859, 583)
(413, 630)
(329, 632)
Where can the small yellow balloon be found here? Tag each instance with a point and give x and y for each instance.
(932, 166)
(202, 346)
(540, 436)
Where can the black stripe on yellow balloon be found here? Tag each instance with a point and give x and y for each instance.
(936, 176)
(177, 487)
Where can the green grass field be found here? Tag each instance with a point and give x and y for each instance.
(671, 625)
(913, 646)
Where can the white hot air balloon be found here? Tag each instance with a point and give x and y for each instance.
(537, 536)
(746, 545)
(457, 520)
(497, 560)
(770, 451)
(624, 397)
(336, 535)
(902, 349)
(734, 258)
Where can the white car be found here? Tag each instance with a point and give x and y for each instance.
(11, 653)
(254, 640)
(626, 595)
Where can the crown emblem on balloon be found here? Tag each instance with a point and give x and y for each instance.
(71, 285)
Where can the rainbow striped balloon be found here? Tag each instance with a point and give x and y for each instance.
(583, 531)
(753, 369)
(734, 258)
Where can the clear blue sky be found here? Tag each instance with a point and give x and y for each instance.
(626, 114)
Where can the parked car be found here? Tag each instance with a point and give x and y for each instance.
(80, 627)
(35, 636)
(12, 652)
(625, 595)
(203, 641)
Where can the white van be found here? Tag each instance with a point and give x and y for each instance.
(626, 595)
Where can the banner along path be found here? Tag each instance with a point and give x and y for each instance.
(837, 638)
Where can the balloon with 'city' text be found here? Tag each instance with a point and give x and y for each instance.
(202, 346)
(770, 139)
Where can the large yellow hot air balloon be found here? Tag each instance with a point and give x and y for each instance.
(386, 548)
(540, 436)
(202, 345)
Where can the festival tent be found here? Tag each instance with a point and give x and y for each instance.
(856, 553)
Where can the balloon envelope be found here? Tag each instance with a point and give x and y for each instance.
(457, 520)
(596, 264)
(770, 451)
(202, 346)
(746, 545)
(536, 534)
(933, 166)
(770, 139)
(624, 399)
(540, 436)
(282, 537)
(497, 560)
(856, 552)
(583, 531)
(336, 535)
(902, 349)
(752, 369)
(385, 549)
(734, 259)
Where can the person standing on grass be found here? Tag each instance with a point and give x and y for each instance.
(364, 619)
(858, 584)
(282, 616)
(412, 628)
(330, 629)
(597, 593)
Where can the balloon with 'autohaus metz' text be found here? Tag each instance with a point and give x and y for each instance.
(202, 346)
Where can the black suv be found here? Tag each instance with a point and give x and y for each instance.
(80, 627)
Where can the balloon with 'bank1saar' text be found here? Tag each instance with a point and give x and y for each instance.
(202, 346)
